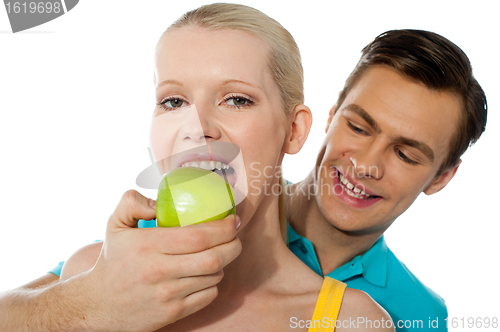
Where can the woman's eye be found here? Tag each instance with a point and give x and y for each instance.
(404, 158)
(237, 101)
(172, 103)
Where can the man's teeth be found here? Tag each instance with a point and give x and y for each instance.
(350, 186)
(208, 165)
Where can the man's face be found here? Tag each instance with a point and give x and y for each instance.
(383, 148)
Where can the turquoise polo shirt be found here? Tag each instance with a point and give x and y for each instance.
(412, 305)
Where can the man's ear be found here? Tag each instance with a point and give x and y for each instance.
(331, 114)
(330, 117)
(301, 124)
(441, 181)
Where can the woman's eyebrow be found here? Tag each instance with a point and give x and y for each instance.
(242, 82)
(223, 83)
(170, 82)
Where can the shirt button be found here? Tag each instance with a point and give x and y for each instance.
(355, 263)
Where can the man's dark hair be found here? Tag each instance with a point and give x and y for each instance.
(434, 61)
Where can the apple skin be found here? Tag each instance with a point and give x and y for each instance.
(190, 195)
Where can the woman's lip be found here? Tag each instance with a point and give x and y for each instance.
(229, 178)
(211, 165)
(225, 152)
(198, 157)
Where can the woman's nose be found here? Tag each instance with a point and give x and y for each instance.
(198, 126)
(191, 127)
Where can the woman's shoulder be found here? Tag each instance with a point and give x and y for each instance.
(360, 312)
(82, 260)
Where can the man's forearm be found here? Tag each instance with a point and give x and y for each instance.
(58, 306)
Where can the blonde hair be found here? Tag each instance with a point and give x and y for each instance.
(285, 64)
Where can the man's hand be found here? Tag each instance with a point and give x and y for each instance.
(147, 278)
(143, 279)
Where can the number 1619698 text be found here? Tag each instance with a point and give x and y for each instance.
(33, 7)
(472, 322)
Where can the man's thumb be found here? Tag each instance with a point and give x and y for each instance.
(132, 207)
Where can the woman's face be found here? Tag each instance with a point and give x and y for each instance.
(213, 87)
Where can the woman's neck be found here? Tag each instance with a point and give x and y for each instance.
(263, 249)
(266, 275)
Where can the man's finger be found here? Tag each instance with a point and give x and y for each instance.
(206, 262)
(197, 301)
(194, 238)
(190, 285)
(132, 207)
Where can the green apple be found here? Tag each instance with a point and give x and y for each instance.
(190, 195)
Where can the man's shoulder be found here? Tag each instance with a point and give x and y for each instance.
(392, 285)
(405, 284)
(407, 299)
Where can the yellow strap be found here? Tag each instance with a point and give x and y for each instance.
(328, 306)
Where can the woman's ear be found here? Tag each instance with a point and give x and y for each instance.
(441, 181)
(301, 124)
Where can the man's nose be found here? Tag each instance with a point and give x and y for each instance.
(368, 163)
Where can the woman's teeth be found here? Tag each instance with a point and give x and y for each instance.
(350, 190)
(208, 165)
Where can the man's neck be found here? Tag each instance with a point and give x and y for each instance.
(333, 246)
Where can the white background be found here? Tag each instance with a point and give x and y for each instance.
(76, 96)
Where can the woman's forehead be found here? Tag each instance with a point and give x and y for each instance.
(200, 53)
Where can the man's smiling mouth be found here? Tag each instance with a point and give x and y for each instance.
(353, 191)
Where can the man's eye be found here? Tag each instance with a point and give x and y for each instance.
(404, 158)
(356, 129)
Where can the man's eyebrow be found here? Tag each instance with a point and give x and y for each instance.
(241, 82)
(170, 82)
(364, 114)
(424, 148)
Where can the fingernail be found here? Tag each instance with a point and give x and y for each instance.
(237, 221)
(152, 203)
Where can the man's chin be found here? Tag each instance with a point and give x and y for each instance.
(352, 222)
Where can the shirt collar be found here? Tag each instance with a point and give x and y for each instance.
(292, 234)
(372, 264)
(375, 263)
